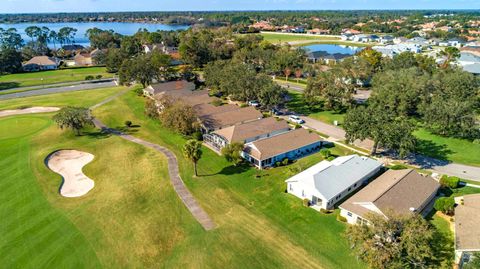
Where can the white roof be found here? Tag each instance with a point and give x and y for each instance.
(331, 178)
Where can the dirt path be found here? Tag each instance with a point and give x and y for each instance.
(30, 110)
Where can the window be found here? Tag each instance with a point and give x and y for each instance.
(349, 189)
(355, 185)
(303, 193)
(349, 214)
(290, 187)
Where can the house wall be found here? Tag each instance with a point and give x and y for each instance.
(291, 155)
(302, 191)
(350, 216)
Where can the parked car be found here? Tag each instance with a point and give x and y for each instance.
(276, 112)
(296, 119)
(254, 103)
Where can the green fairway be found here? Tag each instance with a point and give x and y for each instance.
(281, 38)
(50, 77)
(84, 98)
(447, 148)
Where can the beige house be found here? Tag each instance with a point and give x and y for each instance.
(40, 63)
(246, 132)
(83, 59)
(400, 191)
(467, 228)
(290, 145)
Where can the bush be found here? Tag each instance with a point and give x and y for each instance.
(278, 164)
(99, 77)
(476, 141)
(306, 202)
(341, 218)
(89, 77)
(139, 91)
(297, 126)
(449, 182)
(128, 123)
(324, 211)
(217, 102)
(325, 153)
(398, 167)
(243, 105)
(445, 205)
(331, 158)
(285, 161)
(197, 136)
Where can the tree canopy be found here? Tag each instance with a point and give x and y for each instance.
(74, 118)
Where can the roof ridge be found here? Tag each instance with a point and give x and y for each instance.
(393, 185)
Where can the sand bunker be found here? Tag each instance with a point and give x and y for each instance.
(69, 164)
(30, 110)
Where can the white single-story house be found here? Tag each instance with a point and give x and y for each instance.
(291, 145)
(467, 228)
(399, 191)
(328, 182)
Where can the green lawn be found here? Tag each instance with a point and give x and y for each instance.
(78, 98)
(447, 148)
(281, 38)
(299, 105)
(50, 77)
(133, 217)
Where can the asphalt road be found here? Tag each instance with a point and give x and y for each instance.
(56, 89)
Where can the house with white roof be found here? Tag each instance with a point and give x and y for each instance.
(328, 182)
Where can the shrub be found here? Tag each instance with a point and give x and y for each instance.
(331, 158)
(99, 77)
(243, 105)
(285, 161)
(476, 141)
(306, 202)
(278, 164)
(324, 211)
(128, 123)
(297, 126)
(89, 77)
(449, 182)
(325, 153)
(138, 91)
(341, 218)
(445, 205)
(217, 102)
(197, 136)
(398, 167)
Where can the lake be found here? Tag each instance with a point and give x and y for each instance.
(124, 28)
(332, 48)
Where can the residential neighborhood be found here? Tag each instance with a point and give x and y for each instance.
(227, 134)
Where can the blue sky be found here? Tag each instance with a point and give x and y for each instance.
(32, 6)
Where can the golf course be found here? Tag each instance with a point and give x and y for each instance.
(133, 216)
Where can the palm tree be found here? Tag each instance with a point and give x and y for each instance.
(192, 150)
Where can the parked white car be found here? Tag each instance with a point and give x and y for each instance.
(296, 119)
(254, 103)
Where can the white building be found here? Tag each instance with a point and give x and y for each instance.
(392, 50)
(327, 183)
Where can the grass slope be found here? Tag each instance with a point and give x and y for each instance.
(259, 225)
(50, 77)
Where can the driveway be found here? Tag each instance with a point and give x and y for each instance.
(336, 133)
(55, 89)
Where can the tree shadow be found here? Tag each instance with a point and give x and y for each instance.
(127, 130)
(8, 85)
(435, 154)
(101, 134)
(231, 170)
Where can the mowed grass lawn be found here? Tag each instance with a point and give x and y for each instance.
(281, 38)
(50, 77)
(448, 148)
(84, 98)
(133, 217)
(259, 226)
(299, 105)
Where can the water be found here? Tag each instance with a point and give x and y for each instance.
(332, 49)
(124, 28)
